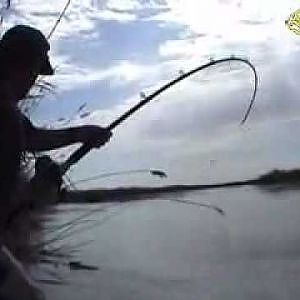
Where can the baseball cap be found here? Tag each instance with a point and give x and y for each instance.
(25, 44)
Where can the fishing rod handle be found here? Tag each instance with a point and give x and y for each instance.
(79, 153)
(75, 157)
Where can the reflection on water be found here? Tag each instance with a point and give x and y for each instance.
(169, 250)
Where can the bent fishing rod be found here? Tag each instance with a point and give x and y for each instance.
(84, 149)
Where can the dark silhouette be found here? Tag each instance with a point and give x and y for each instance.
(159, 173)
(23, 57)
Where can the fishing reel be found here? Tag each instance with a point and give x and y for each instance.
(47, 182)
(48, 170)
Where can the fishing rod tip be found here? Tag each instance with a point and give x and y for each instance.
(159, 173)
(220, 210)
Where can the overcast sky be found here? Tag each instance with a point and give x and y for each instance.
(107, 52)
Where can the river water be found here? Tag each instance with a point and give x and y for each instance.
(161, 249)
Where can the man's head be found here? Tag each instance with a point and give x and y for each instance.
(24, 51)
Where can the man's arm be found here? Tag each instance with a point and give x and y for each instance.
(42, 139)
(38, 139)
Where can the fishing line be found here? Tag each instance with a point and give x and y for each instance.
(207, 205)
(68, 229)
(152, 172)
(66, 233)
(63, 12)
(80, 218)
(44, 83)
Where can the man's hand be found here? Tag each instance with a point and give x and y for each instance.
(94, 136)
(39, 139)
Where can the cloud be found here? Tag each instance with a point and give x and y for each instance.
(70, 76)
(117, 16)
(220, 23)
(124, 47)
(134, 5)
(80, 16)
(82, 21)
(124, 4)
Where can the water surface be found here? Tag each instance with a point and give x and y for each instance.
(160, 249)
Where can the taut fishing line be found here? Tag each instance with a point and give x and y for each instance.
(152, 172)
(62, 14)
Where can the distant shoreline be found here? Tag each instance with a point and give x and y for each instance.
(284, 177)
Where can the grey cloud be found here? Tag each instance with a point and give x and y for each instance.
(197, 113)
(255, 22)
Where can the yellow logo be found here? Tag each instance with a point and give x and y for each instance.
(293, 22)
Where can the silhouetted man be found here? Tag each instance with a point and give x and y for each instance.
(23, 57)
